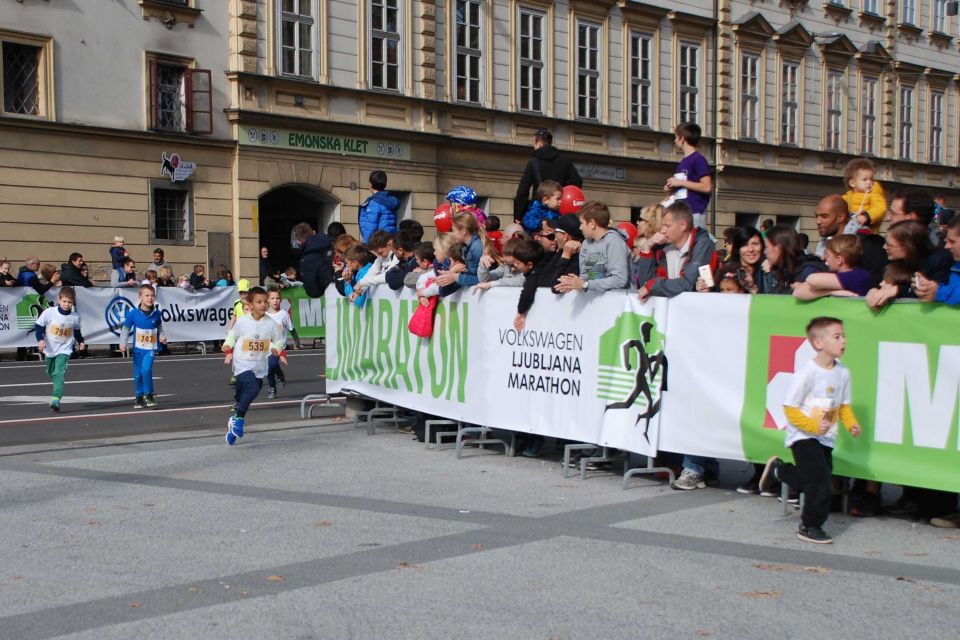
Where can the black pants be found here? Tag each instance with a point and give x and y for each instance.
(812, 476)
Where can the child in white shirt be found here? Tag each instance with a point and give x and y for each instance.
(57, 331)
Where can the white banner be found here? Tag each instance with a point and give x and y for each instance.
(187, 316)
(587, 367)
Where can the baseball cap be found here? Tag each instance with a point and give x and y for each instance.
(569, 223)
(243, 285)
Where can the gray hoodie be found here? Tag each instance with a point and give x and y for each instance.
(605, 262)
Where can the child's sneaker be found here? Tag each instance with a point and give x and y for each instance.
(231, 438)
(272, 393)
(55, 405)
(236, 426)
(815, 535)
(282, 380)
(150, 401)
(139, 403)
(771, 472)
(233, 381)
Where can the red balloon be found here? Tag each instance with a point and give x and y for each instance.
(572, 199)
(443, 218)
(631, 230)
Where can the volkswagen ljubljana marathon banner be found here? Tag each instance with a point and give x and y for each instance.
(187, 316)
(701, 373)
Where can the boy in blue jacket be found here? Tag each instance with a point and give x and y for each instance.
(379, 211)
(949, 293)
(545, 207)
(147, 324)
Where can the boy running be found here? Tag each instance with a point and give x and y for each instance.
(147, 323)
(57, 330)
(818, 395)
(282, 318)
(250, 342)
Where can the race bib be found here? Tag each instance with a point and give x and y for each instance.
(256, 348)
(61, 333)
(146, 339)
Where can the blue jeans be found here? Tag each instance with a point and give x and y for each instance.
(274, 370)
(246, 390)
(143, 370)
(699, 464)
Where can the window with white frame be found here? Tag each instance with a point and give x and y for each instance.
(641, 79)
(532, 60)
(868, 122)
(834, 110)
(871, 7)
(385, 30)
(789, 102)
(905, 139)
(689, 82)
(298, 48)
(908, 12)
(171, 212)
(21, 78)
(588, 70)
(749, 95)
(936, 128)
(940, 15)
(469, 54)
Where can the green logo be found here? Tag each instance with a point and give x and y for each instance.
(633, 367)
(28, 310)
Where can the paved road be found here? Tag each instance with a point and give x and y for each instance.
(324, 532)
(98, 401)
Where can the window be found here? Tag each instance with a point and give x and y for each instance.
(936, 127)
(180, 98)
(469, 54)
(908, 12)
(940, 15)
(171, 212)
(749, 95)
(641, 83)
(385, 44)
(21, 78)
(790, 104)
(588, 70)
(871, 7)
(834, 113)
(297, 33)
(532, 53)
(689, 82)
(906, 123)
(868, 125)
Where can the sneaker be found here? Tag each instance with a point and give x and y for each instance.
(533, 450)
(405, 428)
(793, 497)
(688, 481)
(235, 425)
(867, 507)
(771, 472)
(815, 535)
(750, 487)
(55, 405)
(282, 380)
(902, 507)
(230, 437)
(951, 521)
(772, 490)
(139, 403)
(272, 393)
(597, 465)
(233, 381)
(150, 401)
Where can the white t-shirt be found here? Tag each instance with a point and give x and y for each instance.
(59, 331)
(818, 392)
(252, 342)
(282, 318)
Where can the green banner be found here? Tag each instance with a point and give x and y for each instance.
(317, 142)
(905, 369)
(306, 313)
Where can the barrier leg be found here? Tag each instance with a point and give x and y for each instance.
(484, 438)
(428, 428)
(649, 469)
(313, 399)
(568, 449)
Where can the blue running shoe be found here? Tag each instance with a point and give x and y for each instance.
(236, 426)
(55, 405)
(231, 438)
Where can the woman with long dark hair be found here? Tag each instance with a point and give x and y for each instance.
(908, 246)
(786, 263)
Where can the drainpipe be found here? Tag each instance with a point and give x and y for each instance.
(716, 115)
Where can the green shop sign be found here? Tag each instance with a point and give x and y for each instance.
(323, 143)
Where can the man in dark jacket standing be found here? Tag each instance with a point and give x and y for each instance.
(70, 272)
(547, 163)
(315, 269)
(379, 211)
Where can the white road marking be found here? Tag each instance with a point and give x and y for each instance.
(160, 360)
(47, 382)
(72, 399)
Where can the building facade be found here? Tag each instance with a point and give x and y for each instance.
(286, 106)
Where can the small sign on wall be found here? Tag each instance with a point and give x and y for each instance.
(178, 170)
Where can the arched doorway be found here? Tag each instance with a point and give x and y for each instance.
(284, 207)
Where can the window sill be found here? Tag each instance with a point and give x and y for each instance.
(837, 10)
(169, 13)
(872, 19)
(26, 116)
(939, 38)
(909, 30)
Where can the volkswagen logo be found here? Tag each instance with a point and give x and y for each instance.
(116, 313)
